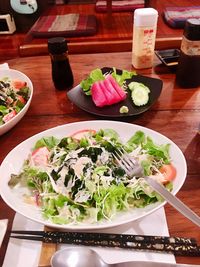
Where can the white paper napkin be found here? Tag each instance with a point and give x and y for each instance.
(4, 66)
(24, 253)
(3, 227)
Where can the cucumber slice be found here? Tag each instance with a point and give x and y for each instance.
(140, 96)
(134, 85)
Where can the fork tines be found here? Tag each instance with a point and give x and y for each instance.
(129, 164)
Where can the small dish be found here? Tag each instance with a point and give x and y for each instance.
(19, 76)
(168, 57)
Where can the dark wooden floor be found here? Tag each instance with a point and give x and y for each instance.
(118, 27)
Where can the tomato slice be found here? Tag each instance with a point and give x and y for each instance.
(21, 99)
(82, 133)
(18, 84)
(169, 172)
(40, 156)
(9, 116)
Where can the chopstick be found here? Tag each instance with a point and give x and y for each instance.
(62, 236)
(177, 245)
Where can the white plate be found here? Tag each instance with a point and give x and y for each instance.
(16, 75)
(14, 160)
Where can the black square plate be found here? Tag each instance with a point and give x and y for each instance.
(78, 97)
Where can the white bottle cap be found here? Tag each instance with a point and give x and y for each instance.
(145, 17)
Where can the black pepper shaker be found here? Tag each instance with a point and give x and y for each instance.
(188, 70)
(62, 75)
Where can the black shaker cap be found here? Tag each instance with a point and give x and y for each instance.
(57, 45)
(192, 29)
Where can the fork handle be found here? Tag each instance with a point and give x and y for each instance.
(174, 201)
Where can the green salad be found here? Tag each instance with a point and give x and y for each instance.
(77, 180)
(14, 95)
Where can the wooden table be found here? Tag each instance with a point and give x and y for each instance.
(176, 114)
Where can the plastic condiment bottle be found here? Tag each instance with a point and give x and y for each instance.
(62, 75)
(188, 69)
(144, 35)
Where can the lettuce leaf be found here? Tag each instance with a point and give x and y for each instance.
(97, 75)
(112, 134)
(121, 78)
(49, 142)
(158, 151)
(137, 139)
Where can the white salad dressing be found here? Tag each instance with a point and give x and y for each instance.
(79, 165)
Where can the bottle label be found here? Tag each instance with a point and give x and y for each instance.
(143, 46)
(190, 48)
(144, 39)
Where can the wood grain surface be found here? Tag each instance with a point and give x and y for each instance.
(176, 115)
(114, 32)
(47, 250)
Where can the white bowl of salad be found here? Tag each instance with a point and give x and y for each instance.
(16, 91)
(66, 177)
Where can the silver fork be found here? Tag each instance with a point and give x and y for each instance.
(132, 168)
